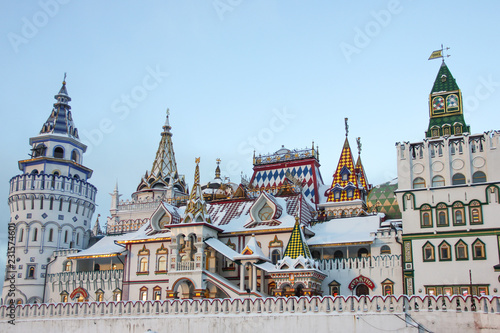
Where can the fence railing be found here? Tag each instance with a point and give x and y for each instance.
(241, 306)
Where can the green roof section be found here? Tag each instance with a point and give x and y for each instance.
(297, 246)
(444, 80)
(382, 199)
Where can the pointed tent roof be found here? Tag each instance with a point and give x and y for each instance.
(346, 164)
(97, 231)
(196, 209)
(60, 120)
(362, 179)
(164, 168)
(296, 245)
(444, 85)
(164, 164)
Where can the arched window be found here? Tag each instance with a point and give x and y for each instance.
(74, 156)
(143, 264)
(362, 253)
(385, 249)
(338, 254)
(476, 216)
(99, 295)
(275, 256)
(35, 235)
(478, 177)
(58, 152)
(162, 263)
(117, 295)
(67, 266)
(157, 293)
(458, 214)
(51, 235)
(21, 235)
(31, 272)
(458, 179)
(419, 182)
(442, 215)
(425, 216)
(438, 181)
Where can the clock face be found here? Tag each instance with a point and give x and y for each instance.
(438, 103)
(452, 101)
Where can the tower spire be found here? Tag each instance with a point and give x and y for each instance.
(164, 170)
(60, 120)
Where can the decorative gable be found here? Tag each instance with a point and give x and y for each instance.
(163, 216)
(264, 209)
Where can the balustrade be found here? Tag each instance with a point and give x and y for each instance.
(271, 305)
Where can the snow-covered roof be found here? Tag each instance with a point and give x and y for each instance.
(222, 248)
(345, 230)
(103, 248)
(252, 251)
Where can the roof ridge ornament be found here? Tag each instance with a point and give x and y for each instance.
(346, 127)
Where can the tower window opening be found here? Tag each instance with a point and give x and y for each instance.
(21, 235)
(51, 235)
(35, 235)
(66, 236)
(58, 152)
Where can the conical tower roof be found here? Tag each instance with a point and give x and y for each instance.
(297, 246)
(164, 170)
(345, 174)
(444, 80)
(164, 165)
(60, 120)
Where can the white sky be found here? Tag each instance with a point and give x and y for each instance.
(226, 68)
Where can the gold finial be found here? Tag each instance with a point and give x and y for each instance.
(197, 160)
(218, 161)
(346, 127)
(358, 141)
(64, 80)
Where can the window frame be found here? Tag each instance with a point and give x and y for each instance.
(466, 251)
(421, 181)
(433, 249)
(483, 246)
(426, 209)
(475, 206)
(445, 244)
(458, 207)
(442, 210)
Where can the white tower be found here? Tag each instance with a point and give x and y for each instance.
(51, 202)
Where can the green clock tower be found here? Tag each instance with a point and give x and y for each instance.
(445, 106)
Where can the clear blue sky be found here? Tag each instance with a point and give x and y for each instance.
(226, 69)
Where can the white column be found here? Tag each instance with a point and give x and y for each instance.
(262, 280)
(254, 278)
(242, 276)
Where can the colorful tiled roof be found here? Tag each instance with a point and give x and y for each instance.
(296, 245)
(346, 164)
(196, 209)
(444, 85)
(382, 196)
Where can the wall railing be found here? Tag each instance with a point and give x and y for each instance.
(242, 306)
